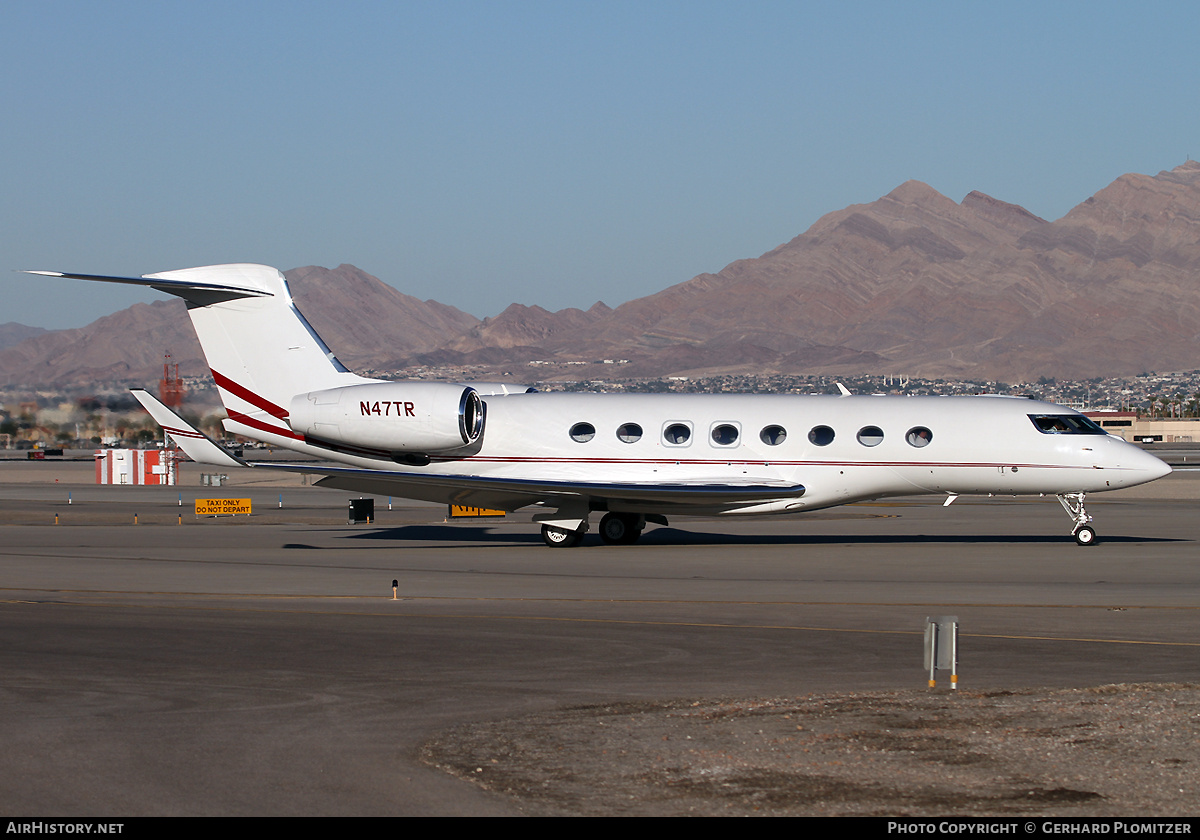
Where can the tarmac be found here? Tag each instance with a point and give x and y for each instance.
(258, 665)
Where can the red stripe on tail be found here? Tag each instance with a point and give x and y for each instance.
(249, 396)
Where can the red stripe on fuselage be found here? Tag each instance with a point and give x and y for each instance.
(245, 420)
(753, 462)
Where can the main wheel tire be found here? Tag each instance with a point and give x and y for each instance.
(620, 528)
(560, 537)
(1085, 535)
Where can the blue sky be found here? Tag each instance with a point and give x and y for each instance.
(557, 153)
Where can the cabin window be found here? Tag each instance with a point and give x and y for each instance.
(1065, 424)
(870, 435)
(582, 432)
(629, 433)
(725, 434)
(677, 434)
(918, 436)
(773, 435)
(820, 436)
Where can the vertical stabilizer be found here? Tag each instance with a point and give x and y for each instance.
(261, 344)
(260, 349)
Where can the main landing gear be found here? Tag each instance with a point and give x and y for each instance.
(1072, 503)
(615, 529)
(621, 528)
(561, 537)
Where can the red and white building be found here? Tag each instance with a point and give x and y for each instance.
(136, 466)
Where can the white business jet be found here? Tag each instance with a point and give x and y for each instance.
(636, 458)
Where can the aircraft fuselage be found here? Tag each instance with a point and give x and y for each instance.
(841, 449)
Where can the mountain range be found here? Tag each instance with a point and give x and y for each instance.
(912, 283)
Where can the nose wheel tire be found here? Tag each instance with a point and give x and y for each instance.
(1085, 535)
(620, 528)
(561, 538)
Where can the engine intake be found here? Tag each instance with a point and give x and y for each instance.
(418, 417)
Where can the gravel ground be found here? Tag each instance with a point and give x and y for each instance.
(1116, 750)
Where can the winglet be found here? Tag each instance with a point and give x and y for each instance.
(196, 445)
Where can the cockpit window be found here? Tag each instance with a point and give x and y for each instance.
(1065, 424)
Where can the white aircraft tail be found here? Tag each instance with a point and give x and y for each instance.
(260, 349)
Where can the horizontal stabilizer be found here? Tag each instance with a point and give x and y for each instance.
(195, 292)
(196, 445)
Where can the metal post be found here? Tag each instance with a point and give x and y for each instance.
(941, 648)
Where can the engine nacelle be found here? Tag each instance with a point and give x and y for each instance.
(418, 417)
(500, 389)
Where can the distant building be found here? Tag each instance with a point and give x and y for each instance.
(136, 466)
(1136, 429)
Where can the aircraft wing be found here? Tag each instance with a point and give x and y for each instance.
(196, 445)
(513, 493)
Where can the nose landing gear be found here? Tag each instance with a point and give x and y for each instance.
(1072, 503)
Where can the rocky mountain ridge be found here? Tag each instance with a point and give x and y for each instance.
(911, 283)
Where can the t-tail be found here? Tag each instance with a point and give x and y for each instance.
(262, 352)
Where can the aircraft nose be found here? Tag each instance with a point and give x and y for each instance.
(1148, 467)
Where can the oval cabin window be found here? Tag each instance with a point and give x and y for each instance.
(629, 433)
(870, 435)
(820, 436)
(725, 434)
(582, 432)
(918, 436)
(773, 435)
(677, 434)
